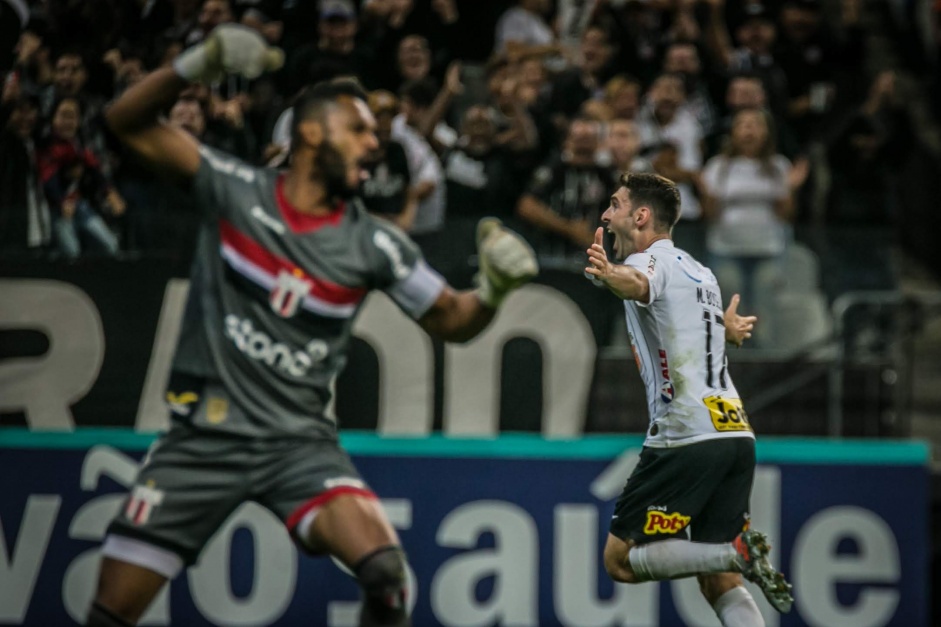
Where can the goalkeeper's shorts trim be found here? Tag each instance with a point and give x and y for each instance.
(132, 551)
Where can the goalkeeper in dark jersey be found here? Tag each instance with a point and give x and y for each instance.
(283, 264)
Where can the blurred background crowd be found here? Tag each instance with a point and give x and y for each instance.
(801, 158)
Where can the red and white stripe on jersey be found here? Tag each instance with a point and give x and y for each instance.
(288, 284)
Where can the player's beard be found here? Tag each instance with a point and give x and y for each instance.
(624, 248)
(330, 169)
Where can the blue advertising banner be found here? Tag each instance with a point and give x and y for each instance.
(505, 531)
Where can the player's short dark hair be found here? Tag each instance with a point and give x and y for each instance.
(314, 100)
(422, 92)
(654, 191)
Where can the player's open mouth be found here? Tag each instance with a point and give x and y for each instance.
(615, 241)
(362, 173)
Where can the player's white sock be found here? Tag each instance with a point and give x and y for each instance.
(669, 559)
(736, 608)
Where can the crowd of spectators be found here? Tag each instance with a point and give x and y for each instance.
(525, 109)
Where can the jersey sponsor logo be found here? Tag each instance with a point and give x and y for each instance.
(258, 346)
(142, 501)
(667, 391)
(651, 265)
(387, 245)
(182, 403)
(259, 214)
(727, 413)
(664, 364)
(660, 522)
(288, 293)
(217, 410)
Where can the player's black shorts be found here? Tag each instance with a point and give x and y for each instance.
(702, 487)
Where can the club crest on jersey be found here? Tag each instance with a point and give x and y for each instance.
(289, 291)
(143, 499)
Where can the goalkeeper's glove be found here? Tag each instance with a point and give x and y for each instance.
(229, 49)
(506, 261)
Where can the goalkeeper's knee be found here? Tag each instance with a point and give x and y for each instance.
(382, 577)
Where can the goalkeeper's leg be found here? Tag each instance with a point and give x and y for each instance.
(354, 528)
(125, 591)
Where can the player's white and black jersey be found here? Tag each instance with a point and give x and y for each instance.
(678, 340)
(273, 296)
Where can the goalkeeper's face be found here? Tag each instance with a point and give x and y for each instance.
(349, 138)
(619, 221)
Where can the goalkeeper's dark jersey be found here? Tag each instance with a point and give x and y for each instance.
(273, 296)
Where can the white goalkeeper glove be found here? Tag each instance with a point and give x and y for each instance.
(506, 261)
(229, 49)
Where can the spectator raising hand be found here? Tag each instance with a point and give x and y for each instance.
(446, 10)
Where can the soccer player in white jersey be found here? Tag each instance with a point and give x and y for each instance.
(695, 473)
(284, 262)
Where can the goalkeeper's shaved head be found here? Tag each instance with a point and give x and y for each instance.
(333, 122)
(315, 101)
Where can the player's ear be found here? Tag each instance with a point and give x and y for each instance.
(311, 131)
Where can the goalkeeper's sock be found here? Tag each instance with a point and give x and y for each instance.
(669, 559)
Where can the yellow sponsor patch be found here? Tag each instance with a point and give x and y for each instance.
(217, 409)
(183, 398)
(727, 413)
(659, 522)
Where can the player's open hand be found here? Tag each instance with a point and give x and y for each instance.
(598, 265)
(737, 328)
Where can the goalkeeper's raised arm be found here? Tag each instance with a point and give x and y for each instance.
(135, 117)
(506, 263)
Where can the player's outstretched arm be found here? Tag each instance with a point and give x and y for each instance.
(737, 328)
(134, 119)
(135, 116)
(457, 316)
(506, 263)
(625, 282)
